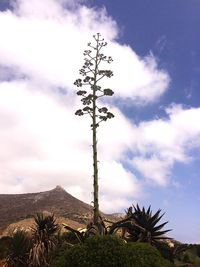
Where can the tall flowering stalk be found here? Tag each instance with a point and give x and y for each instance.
(92, 75)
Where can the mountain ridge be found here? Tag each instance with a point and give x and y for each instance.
(16, 207)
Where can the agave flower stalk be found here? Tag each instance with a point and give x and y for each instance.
(92, 75)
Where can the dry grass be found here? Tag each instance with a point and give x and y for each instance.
(27, 224)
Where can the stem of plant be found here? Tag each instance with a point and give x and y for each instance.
(94, 145)
(92, 75)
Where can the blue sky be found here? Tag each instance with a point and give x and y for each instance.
(169, 29)
(150, 152)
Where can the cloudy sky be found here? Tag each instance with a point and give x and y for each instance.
(149, 153)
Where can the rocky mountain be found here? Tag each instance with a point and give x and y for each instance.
(17, 207)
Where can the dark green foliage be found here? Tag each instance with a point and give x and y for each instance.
(172, 253)
(18, 249)
(5, 243)
(110, 251)
(95, 251)
(143, 255)
(197, 248)
(145, 228)
(191, 255)
(69, 237)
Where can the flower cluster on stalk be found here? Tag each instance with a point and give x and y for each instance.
(92, 74)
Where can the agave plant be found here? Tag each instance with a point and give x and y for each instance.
(90, 230)
(104, 227)
(18, 249)
(44, 240)
(145, 226)
(139, 225)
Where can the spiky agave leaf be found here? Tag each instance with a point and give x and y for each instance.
(45, 225)
(44, 239)
(147, 221)
(19, 247)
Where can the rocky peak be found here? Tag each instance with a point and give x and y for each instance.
(59, 188)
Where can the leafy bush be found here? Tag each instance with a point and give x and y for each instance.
(95, 251)
(110, 251)
(191, 256)
(143, 254)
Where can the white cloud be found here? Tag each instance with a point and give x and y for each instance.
(153, 169)
(161, 143)
(128, 184)
(47, 44)
(140, 78)
(110, 133)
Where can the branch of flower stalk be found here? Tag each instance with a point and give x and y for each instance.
(101, 77)
(76, 232)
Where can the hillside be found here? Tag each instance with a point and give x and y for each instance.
(17, 207)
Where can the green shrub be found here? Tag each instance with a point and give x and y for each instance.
(143, 255)
(190, 256)
(92, 252)
(110, 251)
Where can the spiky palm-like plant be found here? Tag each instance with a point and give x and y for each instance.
(18, 249)
(148, 231)
(44, 240)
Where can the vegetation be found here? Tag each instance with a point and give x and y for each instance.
(18, 249)
(110, 251)
(113, 248)
(93, 74)
(190, 256)
(172, 251)
(31, 249)
(144, 227)
(44, 240)
(5, 243)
